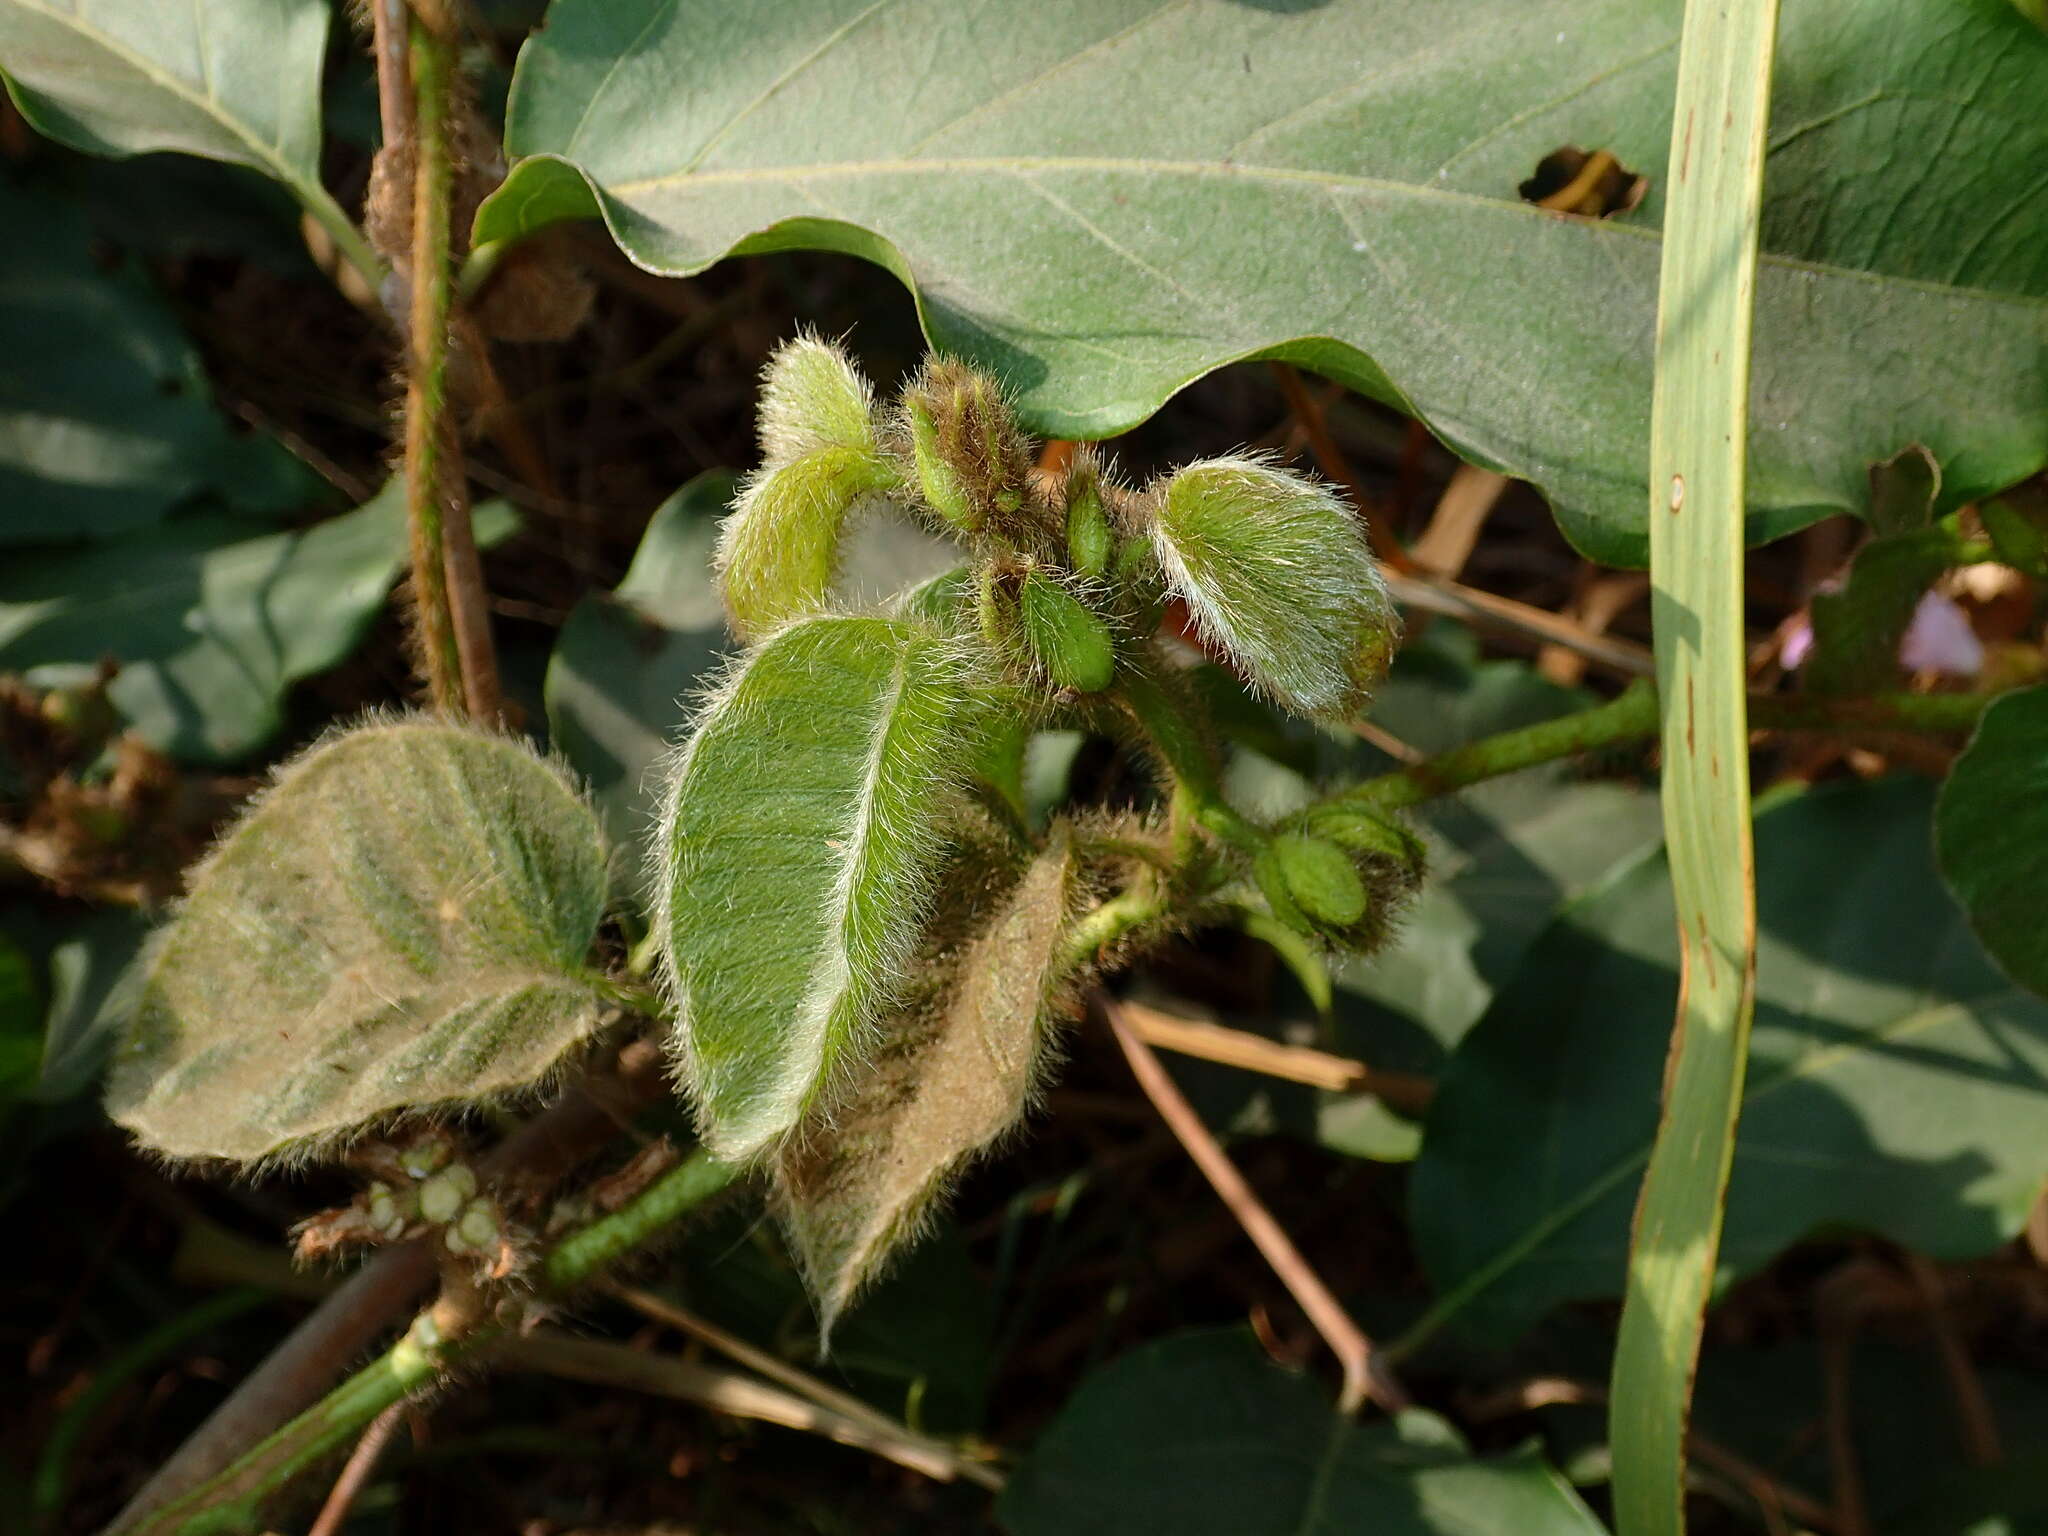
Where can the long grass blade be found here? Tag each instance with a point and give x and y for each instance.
(1699, 420)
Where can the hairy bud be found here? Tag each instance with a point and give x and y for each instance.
(1091, 542)
(1066, 636)
(1278, 578)
(972, 463)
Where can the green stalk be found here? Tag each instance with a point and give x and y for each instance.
(233, 1499)
(1699, 428)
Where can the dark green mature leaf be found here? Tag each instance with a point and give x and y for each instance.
(234, 80)
(106, 421)
(1895, 1081)
(401, 923)
(949, 1077)
(800, 832)
(1201, 1436)
(625, 665)
(210, 619)
(1103, 199)
(1992, 834)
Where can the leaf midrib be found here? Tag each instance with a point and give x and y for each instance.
(1024, 165)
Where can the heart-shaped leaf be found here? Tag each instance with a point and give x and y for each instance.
(402, 922)
(1104, 204)
(800, 831)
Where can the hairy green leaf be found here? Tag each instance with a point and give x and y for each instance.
(1991, 831)
(106, 419)
(1200, 1435)
(401, 923)
(1894, 1082)
(778, 550)
(1277, 574)
(950, 1077)
(1104, 199)
(800, 831)
(234, 80)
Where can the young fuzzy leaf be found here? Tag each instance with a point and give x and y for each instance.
(952, 1077)
(778, 549)
(1277, 574)
(813, 398)
(400, 923)
(800, 829)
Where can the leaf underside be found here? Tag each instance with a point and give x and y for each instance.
(1342, 198)
(235, 80)
(400, 923)
(800, 832)
(948, 1079)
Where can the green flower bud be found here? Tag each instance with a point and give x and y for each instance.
(1091, 542)
(1068, 638)
(1320, 879)
(1359, 831)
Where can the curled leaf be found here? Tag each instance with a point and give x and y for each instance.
(953, 1075)
(400, 923)
(1278, 577)
(778, 549)
(800, 831)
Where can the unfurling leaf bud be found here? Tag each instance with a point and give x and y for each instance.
(1278, 578)
(1066, 636)
(778, 549)
(1315, 879)
(972, 463)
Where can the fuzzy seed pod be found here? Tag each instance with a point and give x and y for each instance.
(1277, 575)
(778, 549)
(1066, 636)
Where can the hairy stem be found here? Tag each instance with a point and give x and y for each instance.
(454, 638)
(418, 1362)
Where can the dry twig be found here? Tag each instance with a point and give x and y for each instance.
(1364, 1375)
